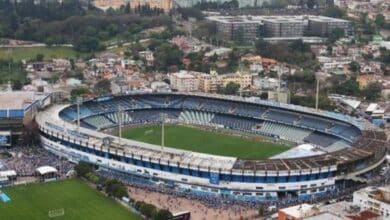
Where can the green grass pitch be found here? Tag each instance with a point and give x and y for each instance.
(79, 201)
(31, 53)
(198, 140)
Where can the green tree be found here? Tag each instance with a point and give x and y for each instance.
(311, 3)
(335, 35)
(82, 168)
(354, 66)
(17, 85)
(230, 89)
(348, 87)
(116, 188)
(127, 8)
(334, 12)
(77, 92)
(162, 214)
(380, 20)
(372, 91)
(103, 87)
(261, 211)
(39, 57)
(167, 55)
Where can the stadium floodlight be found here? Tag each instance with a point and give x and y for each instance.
(79, 100)
(120, 112)
(162, 115)
(318, 77)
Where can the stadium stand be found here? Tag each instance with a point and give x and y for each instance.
(116, 117)
(284, 131)
(196, 117)
(99, 122)
(320, 139)
(353, 147)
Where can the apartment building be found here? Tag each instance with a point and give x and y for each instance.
(250, 27)
(374, 199)
(184, 81)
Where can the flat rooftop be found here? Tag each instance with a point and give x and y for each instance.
(19, 99)
(271, 18)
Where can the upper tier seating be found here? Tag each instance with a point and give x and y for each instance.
(321, 139)
(99, 122)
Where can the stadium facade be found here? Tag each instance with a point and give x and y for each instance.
(17, 110)
(350, 146)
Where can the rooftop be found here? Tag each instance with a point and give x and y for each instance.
(16, 99)
(300, 211)
(272, 18)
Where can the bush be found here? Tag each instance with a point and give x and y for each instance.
(83, 168)
(116, 188)
(92, 177)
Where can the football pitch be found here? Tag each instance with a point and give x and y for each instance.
(198, 140)
(77, 200)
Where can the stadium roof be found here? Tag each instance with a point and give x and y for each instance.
(46, 169)
(7, 173)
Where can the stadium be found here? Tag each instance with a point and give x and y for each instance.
(342, 147)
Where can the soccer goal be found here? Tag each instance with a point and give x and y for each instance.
(56, 213)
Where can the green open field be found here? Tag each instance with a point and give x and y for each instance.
(198, 140)
(79, 201)
(31, 53)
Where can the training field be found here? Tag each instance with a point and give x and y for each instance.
(194, 139)
(31, 53)
(78, 200)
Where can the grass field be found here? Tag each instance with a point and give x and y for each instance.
(79, 201)
(31, 53)
(194, 139)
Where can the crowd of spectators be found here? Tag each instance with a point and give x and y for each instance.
(343, 191)
(25, 160)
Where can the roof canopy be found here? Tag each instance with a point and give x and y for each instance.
(46, 169)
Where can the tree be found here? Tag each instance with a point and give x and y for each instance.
(261, 45)
(334, 12)
(372, 91)
(207, 30)
(230, 89)
(354, 66)
(311, 3)
(103, 87)
(39, 57)
(335, 35)
(261, 211)
(329, 49)
(146, 209)
(348, 87)
(380, 20)
(167, 55)
(77, 92)
(240, 35)
(162, 214)
(127, 8)
(116, 188)
(17, 85)
(82, 168)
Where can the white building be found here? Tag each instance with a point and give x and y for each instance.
(183, 81)
(374, 199)
(264, 83)
(160, 86)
